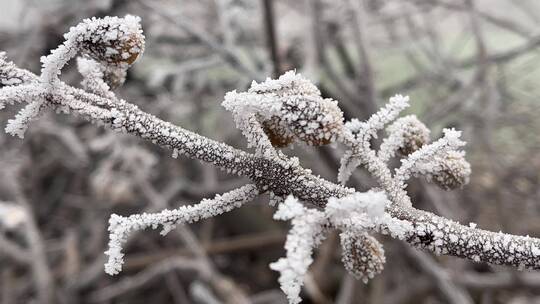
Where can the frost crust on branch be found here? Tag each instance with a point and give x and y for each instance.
(121, 228)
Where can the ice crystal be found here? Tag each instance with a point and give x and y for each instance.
(288, 84)
(18, 125)
(365, 212)
(348, 163)
(93, 77)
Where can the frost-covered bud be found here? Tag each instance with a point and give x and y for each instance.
(111, 40)
(454, 173)
(413, 133)
(304, 114)
(362, 255)
(289, 108)
(313, 120)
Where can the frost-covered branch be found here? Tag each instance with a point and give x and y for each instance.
(355, 216)
(273, 114)
(306, 234)
(121, 227)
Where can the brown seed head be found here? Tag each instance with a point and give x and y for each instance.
(455, 171)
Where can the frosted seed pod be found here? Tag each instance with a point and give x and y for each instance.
(455, 171)
(362, 255)
(313, 120)
(413, 132)
(111, 40)
(278, 134)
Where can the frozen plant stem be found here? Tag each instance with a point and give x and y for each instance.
(297, 113)
(120, 227)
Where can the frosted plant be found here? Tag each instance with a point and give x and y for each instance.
(406, 135)
(116, 42)
(355, 215)
(278, 112)
(93, 77)
(273, 114)
(450, 170)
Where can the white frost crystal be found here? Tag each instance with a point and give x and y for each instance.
(365, 212)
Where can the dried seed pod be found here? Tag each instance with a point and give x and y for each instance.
(111, 40)
(313, 120)
(278, 134)
(413, 133)
(454, 173)
(362, 255)
(289, 108)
